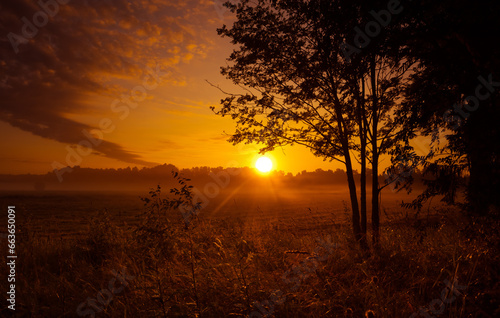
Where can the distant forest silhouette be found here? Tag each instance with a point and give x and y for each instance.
(135, 179)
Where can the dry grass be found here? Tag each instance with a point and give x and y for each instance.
(232, 268)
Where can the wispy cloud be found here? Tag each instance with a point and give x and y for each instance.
(80, 53)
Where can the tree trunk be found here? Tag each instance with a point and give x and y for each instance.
(354, 200)
(375, 201)
(350, 180)
(375, 188)
(360, 93)
(363, 187)
(482, 146)
(362, 137)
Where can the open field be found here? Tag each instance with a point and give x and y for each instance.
(293, 256)
(60, 213)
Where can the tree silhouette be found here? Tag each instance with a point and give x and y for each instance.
(304, 85)
(456, 91)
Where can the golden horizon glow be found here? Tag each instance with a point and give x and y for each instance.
(173, 63)
(264, 164)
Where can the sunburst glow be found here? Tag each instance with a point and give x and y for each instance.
(264, 164)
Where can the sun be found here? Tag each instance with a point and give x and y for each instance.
(264, 164)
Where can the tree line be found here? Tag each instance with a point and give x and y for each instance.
(141, 179)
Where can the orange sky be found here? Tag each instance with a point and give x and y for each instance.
(77, 73)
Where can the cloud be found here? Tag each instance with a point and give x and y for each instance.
(58, 68)
(217, 138)
(29, 161)
(169, 144)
